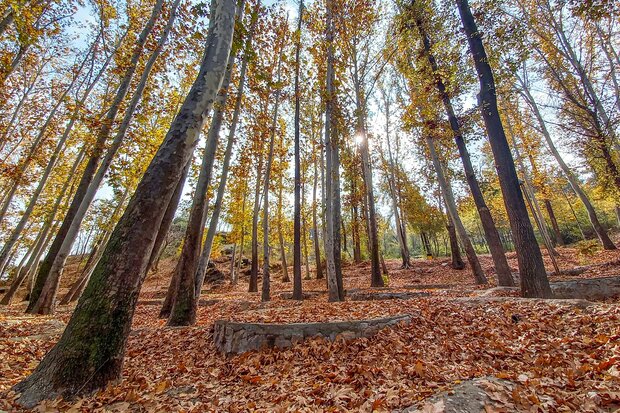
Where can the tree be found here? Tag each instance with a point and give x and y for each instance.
(534, 282)
(90, 352)
(297, 291)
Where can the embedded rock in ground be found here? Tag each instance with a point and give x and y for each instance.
(487, 300)
(499, 292)
(214, 275)
(587, 288)
(288, 295)
(234, 338)
(427, 286)
(471, 396)
(372, 295)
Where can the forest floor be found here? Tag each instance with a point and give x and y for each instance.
(556, 357)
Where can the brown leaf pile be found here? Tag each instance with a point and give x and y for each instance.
(558, 358)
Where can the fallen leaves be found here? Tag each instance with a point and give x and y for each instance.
(558, 358)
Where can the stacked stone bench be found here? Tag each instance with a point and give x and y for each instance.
(235, 337)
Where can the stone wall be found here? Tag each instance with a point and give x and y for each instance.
(588, 288)
(235, 338)
(585, 288)
(380, 295)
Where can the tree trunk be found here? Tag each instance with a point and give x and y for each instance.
(315, 227)
(426, 244)
(332, 190)
(497, 251)
(457, 262)
(51, 269)
(534, 281)
(448, 197)
(208, 244)
(90, 352)
(265, 293)
(185, 303)
(554, 223)
(297, 288)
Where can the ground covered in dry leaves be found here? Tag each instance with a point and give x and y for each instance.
(558, 357)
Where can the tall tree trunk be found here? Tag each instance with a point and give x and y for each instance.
(332, 190)
(185, 303)
(90, 352)
(297, 289)
(265, 293)
(492, 235)
(206, 250)
(457, 262)
(534, 282)
(54, 261)
(315, 227)
(446, 190)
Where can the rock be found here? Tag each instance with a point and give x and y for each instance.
(371, 295)
(288, 295)
(499, 292)
(486, 300)
(468, 397)
(427, 286)
(234, 338)
(214, 275)
(589, 289)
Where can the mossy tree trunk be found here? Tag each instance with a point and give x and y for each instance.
(91, 350)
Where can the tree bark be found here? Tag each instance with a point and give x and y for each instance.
(332, 190)
(185, 303)
(54, 261)
(206, 250)
(297, 288)
(457, 262)
(90, 352)
(448, 197)
(534, 282)
(497, 251)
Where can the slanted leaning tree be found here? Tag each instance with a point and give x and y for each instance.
(91, 350)
(534, 282)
